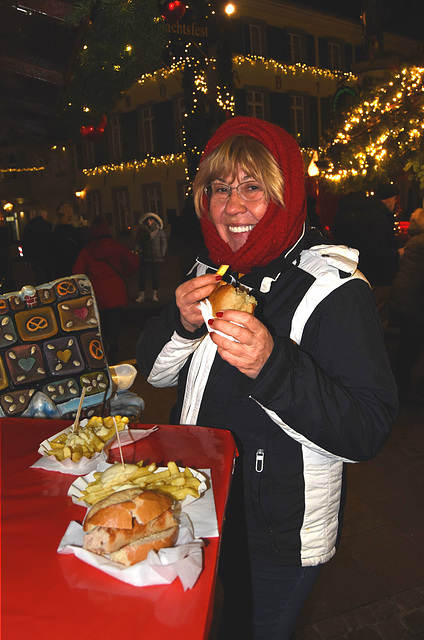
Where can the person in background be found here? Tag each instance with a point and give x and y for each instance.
(304, 385)
(186, 237)
(36, 240)
(107, 262)
(66, 241)
(407, 302)
(7, 279)
(367, 224)
(151, 245)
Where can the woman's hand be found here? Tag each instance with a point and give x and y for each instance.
(254, 342)
(189, 294)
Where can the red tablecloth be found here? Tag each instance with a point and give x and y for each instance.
(48, 595)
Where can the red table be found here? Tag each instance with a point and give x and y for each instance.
(49, 595)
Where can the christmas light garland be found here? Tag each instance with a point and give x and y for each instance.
(382, 134)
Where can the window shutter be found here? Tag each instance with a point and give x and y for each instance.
(101, 150)
(236, 35)
(129, 136)
(348, 57)
(323, 53)
(310, 50)
(279, 105)
(326, 113)
(241, 104)
(313, 121)
(164, 128)
(246, 39)
(277, 43)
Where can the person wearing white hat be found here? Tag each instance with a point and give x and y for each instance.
(151, 245)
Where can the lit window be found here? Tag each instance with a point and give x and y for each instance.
(152, 198)
(295, 47)
(255, 104)
(334, 56)
(147, 125)
(122, 206)
(297, 117)
(115, 127)
(255, 40)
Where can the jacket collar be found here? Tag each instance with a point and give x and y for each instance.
(262, 278)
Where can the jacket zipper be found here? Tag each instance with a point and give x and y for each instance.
(259, 467)
(259, 462)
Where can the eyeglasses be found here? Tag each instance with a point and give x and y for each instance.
(221, 192)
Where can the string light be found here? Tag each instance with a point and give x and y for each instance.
(136, 165)
(20, 170)
(382, 129)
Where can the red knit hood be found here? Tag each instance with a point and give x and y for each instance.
(280, 227)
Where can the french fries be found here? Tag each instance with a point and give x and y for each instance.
(85, 441)
(222, 269)
(176, 483)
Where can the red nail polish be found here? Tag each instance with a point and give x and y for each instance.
(218, 278)
(219, 314)
(210, 322)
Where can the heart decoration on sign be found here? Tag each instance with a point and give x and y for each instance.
(81, 313)
(64, 355)
(26, 363)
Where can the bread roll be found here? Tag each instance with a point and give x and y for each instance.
(128, 517)
(139, 550)
(225, 296)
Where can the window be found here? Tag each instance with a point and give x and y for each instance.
(255, 40)
(152, 199)
(121, 205)
(94, 204)
(334, 56)
(115, 128)
(87, 152)
(147, 119)
(295, 47)
(297, 117)
(255, 104)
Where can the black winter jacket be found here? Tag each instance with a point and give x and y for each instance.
(326, 396)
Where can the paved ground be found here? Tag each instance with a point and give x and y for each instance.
(374, 587)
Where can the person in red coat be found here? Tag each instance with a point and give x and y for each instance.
(107, 262)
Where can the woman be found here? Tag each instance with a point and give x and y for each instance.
(107, 262)
(305, 387)
(151, 244)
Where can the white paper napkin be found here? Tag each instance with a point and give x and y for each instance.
(206, 310)
(183, 561)
(86, 465)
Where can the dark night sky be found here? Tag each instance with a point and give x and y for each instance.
(405, 17)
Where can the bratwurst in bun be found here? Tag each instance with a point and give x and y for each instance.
(126, 525)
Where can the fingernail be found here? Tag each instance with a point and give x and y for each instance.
(219, 314)
(218, 278)
(210, 322)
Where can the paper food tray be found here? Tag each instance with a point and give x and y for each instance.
(183, 561)
(85, 465)
(77, 488)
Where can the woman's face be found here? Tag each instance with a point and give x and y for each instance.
(235, 218)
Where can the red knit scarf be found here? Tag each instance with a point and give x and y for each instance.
(280, 227)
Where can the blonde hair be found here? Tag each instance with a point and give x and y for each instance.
(245, 153)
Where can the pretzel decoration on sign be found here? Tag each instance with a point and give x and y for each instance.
(96, 349)
(36, 323)
(66, 288)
